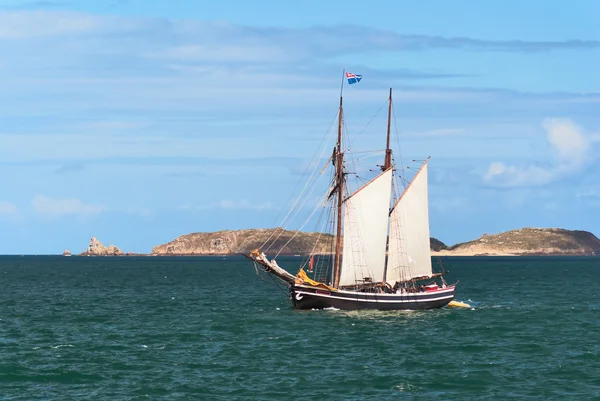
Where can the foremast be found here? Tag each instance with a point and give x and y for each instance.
(339, 178)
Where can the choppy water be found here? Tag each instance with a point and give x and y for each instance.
(210, 329)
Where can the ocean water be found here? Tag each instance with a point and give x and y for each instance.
(211, 329)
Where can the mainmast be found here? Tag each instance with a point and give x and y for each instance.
(388, 150)
(386, 165)
(339, 174)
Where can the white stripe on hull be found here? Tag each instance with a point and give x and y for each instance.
(383, 296)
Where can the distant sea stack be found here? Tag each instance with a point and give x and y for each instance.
(66, 253)
(96, 248)
(528, 241)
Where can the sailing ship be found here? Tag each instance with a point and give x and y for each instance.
(380, 255)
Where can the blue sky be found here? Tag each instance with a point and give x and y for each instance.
(139, 121)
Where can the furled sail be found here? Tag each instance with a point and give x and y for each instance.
(366, 214)
(409, 253)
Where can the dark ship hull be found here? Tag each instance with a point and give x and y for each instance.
(308, 297)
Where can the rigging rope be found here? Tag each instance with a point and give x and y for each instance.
(298, 209)
(277, 283)
(398, 140)
(318, 206)
(365, 127)
(325, 140)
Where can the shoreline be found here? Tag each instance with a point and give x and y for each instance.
(526, 241)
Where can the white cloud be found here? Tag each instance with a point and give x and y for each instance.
(113, 125)
(569, 140)
(587, 193)
(517, 176)
(41, 23)
(97, 146)
(226, 53)
(27, 24)
(570, 145)
(8, 211)
(341, 39)
(49, 207)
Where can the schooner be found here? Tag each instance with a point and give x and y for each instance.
(380, 255)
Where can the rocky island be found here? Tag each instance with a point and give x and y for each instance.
(525, 241)
(229, 242)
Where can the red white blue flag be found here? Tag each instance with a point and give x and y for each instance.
(353, 78)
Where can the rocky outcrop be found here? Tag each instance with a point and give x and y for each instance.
(528, 241)
(96, 248)
(243, 241)
(66, 253)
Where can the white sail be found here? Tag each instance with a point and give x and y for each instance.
(366, 215)
(409, 253)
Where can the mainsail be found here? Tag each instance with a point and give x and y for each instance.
(409, 250)
(365, 231)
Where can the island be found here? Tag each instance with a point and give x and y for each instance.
(527, 241)
(229, 242)
(521, 242)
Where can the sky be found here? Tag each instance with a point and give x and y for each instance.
(138, 121)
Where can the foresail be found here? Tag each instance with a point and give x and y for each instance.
(366, 215)
(409, 253)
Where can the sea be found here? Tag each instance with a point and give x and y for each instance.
(210, 328)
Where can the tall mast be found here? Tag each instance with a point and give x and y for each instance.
(388, 151)
(386, 165)
(339, 174)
